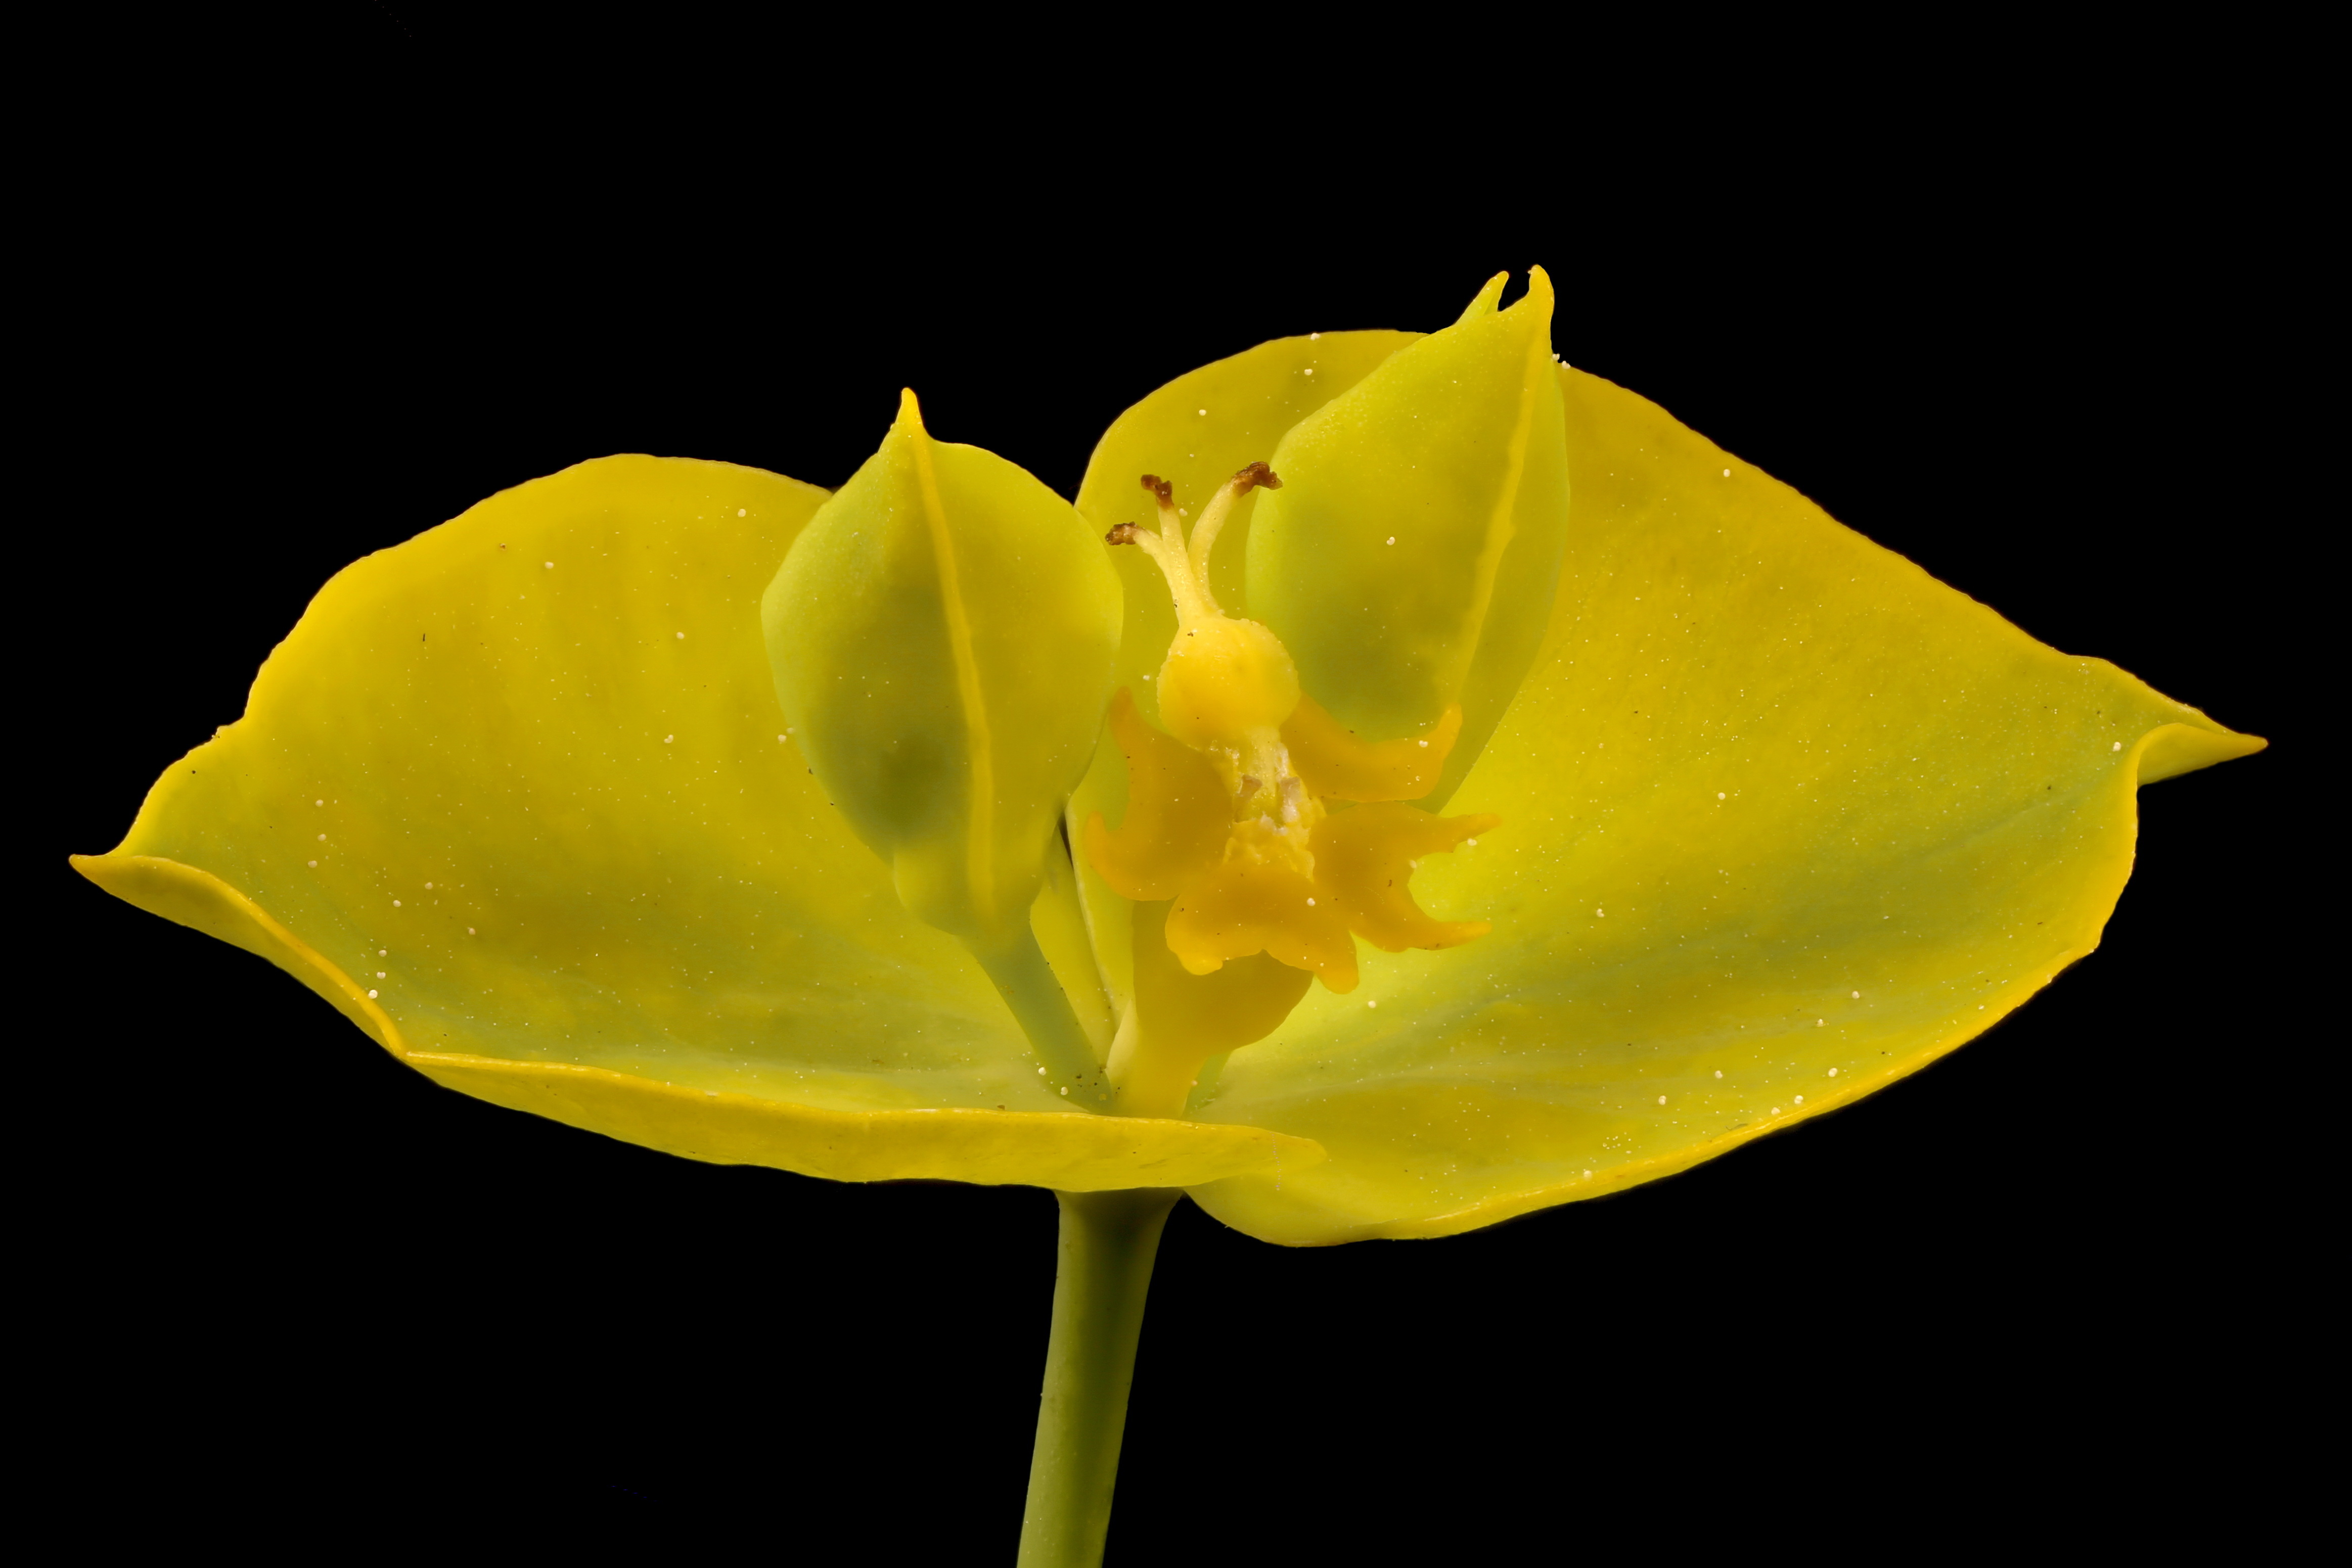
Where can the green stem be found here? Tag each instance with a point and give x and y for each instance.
(1108, 1241)
(1027, 983)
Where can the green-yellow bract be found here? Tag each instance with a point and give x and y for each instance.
(1776, 818)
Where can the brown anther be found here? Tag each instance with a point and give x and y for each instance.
(1256, 475)
(1160, 487)
(1122, 535)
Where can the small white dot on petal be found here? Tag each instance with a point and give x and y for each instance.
(1800, 1099)
(1205, 413)
(1310, 369)
(395, 904)
(1471, 843)
(1424, 746)
(469, 931)
(681, 636)
(428, 887)
(370, 995)
(1821, 1023)
(1588, 1176)
(384, 952)
(1371, 1004)
(1041, 1072)
(1718, 794)
(314, 862)
(1661, 1099)
(1065, 1093)
(379, 973)
(742, 511)
(1599, 914)
(322, 837)
(1392, 538)
(1832, 1073)
(1718, 1072)
(1310, 903)
(548, 564)
(2118, 746)
(317, 802)
(1726, 473)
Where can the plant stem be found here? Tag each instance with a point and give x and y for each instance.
(1108, 1241)
(1026, 982)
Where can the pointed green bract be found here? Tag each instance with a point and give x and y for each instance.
(941, 635)
(1408, 560)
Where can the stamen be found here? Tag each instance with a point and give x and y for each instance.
(1213, 516)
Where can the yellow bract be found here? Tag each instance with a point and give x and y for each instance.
(941, 635)
(1786, 820)
(515, 797)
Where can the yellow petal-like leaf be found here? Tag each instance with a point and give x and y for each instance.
(1409, 559)
(942, 634)
(1783, 820)
(514, 795)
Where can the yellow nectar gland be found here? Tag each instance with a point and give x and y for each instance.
(1227, 814)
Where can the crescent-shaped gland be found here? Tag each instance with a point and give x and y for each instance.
(1257, 900)
(1176, 812)
(1337, 766)
(1363, 866)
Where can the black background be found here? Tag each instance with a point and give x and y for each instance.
(2021, 1293)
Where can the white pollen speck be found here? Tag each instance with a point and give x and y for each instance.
(1718, 1072)
(1776, 1109)
(1599, 914)
(1472, 843)
(322, 837)
(1718, 794)
(2118, 746)
(780, 737)
(1065, 1093)
(681, 636)
(428, 887)
(1310, 903)
(1832, 1073)
(1392, 538)
(370, 996)
(314, 862)
(384, 952)
(1314, 337)
(1371, 1004)
(742, 511)
(395, 904)
(667, 739)
(317, 802)
(1821, 1023)
(1726, 473)
(379, 973)
(548, 564)
(1661, 1099)
(1588, 1176)
(469, 931)
(1424, 746)
(1310, 369)
(1205, 413)
(1857, 996)
(1041, 1072)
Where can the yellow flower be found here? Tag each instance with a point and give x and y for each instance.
(1028, 876)
(515, 797)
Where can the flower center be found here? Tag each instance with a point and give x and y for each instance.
(1228, 684)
